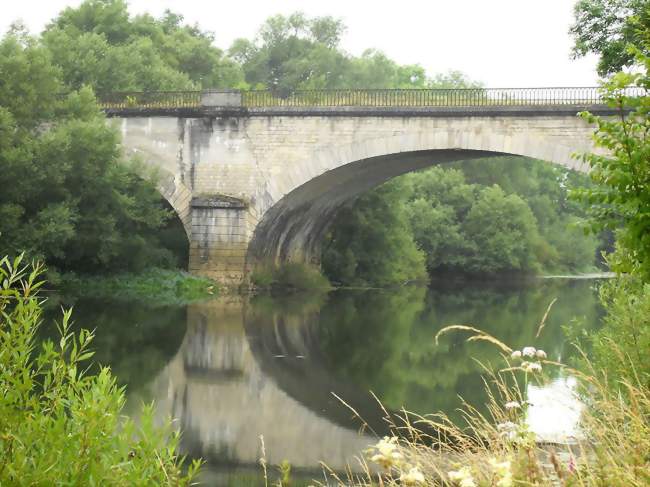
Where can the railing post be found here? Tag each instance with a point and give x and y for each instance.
(221, 98)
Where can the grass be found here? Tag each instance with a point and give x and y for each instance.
(497, 449)
(159, 285)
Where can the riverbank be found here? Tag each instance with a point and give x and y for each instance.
(175, 286)
(588, 275)
(160, 285)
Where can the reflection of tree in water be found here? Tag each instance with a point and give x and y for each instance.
(134, 339)
(383, 340)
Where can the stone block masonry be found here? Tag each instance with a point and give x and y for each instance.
(253, 185)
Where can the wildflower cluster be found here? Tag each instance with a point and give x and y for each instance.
(462, 477)
(531, 359)
(387, 455)
(502, 473)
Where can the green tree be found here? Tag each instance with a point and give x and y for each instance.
(620, 201)
(621, 198)
(438, 201)
(472, 228)
(607, 28)
(67, 196)
(101, 45)
(296, 52)
(293, 52)
(372, 244)
(545, 187)
(502, 231)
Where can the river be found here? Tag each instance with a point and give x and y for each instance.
(237, 368)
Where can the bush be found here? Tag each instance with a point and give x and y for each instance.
(621, 346)
(291, 275)
(60, 425)
(157, 285)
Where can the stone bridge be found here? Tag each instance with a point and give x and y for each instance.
(257, 178)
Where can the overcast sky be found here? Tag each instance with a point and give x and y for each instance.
(502, 43)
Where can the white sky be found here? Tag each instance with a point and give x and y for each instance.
(502, 43)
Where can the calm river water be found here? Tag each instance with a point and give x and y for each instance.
(236, 368)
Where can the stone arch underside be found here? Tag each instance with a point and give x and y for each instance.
(291, 229)
(158, 144)
(179, 197)
(171, 188)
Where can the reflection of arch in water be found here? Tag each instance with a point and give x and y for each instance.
(224, 399)
(286, 348)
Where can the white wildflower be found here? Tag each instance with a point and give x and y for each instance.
(463, 477)
(516, 354)
(528, 351)
(502, 470)
(387, 454)
(507, 426)
(531, 367)
(413, 477)
(508, 430)
(505, 481)
(541, 354)
(512, 405)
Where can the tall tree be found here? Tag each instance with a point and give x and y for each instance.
(608, 28)
(297, 52)
(66, 195)
(371, 243)
(621, 198)
(101, 45)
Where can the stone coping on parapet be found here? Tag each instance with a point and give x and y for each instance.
(356, 111)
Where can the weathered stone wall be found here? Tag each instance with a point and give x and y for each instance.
(288, 173)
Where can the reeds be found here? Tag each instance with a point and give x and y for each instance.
(496, 448)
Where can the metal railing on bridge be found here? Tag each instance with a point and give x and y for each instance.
(470, 97)
(150, 99)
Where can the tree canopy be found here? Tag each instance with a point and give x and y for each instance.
(99, 44)
(67, 196)
(609, 28)
(501, 215)
(296, 52)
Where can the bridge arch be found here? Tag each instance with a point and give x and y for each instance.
(179, 197)
(293, 228)
(262, 181)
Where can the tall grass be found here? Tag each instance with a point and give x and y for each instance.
(498, 449)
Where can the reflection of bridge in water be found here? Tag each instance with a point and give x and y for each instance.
(233, 380)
